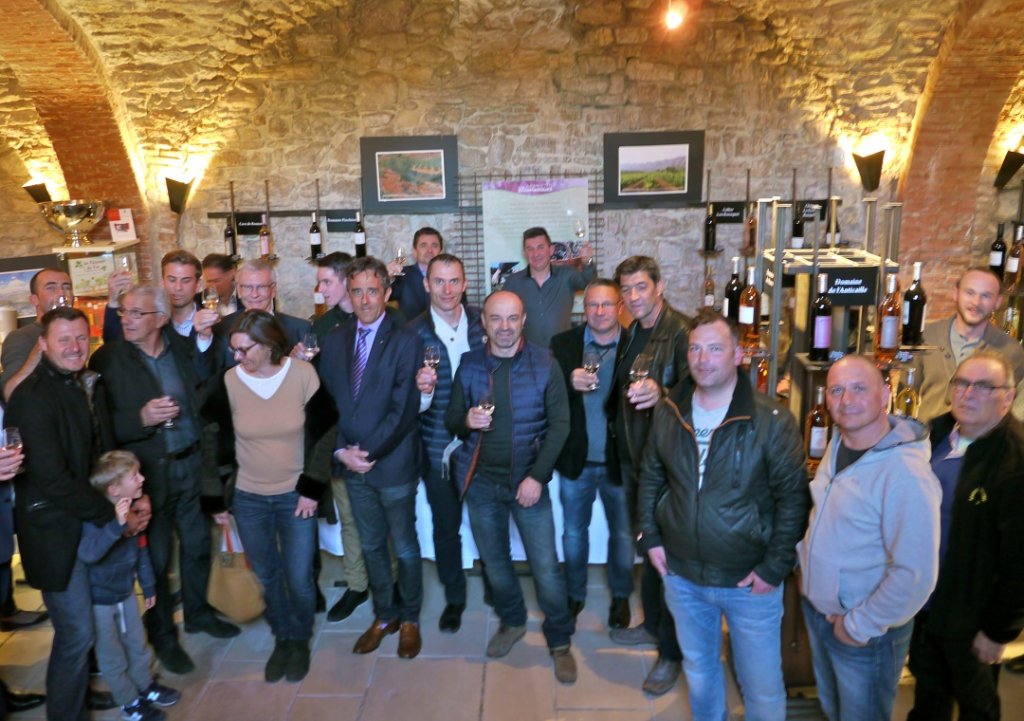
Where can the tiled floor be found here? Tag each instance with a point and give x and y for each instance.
(452, 680)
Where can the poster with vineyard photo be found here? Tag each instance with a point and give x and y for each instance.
(416, 174)
(658, 170)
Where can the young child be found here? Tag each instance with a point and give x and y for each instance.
(114, 561)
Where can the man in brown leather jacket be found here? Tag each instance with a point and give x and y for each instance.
(659, 333)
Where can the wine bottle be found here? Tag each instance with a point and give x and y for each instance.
(798, 225)
(749, 310)
(266, 246)
(359, 235)
(316, 248)
(887, 322)
(833, 238)
(709, 288)
(915, 309)
(731, 299)
(997, 252)
(1011, 318)
(821, 322)
(709, 230)
(1012, 269)
(817, 429)
(229, 236)
(907, 400)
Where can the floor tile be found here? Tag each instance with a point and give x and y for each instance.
(334, 669)
(321, 708)
(426, 689)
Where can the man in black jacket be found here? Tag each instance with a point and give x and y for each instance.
(978, 604)
(150, 393)
(723, 502)
(658, 333)
(54, 499)
(586, 356)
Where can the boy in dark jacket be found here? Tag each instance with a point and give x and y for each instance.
(114, 561)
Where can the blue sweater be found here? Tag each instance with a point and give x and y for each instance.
(114, 562)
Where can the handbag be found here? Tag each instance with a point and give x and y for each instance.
(234, 589)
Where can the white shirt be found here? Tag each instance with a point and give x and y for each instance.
(455, 341)
(704, 424)
(264, 387)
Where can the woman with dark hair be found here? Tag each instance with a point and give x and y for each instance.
(274, 502)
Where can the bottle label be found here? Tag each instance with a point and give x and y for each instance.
(709, 301)
(819, 440)
(360, 238)
(725, 306)
(314, 239)
(823, 331)
(890, 332)
(924, 315)
(265, 245)
(995, 257)
(746, 315)
(1012, 263)
(798, 241)
(906, 313)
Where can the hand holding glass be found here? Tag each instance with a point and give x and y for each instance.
(211, 300)
(310, 346)
(640, 369)
(432, 357)
(592, 364)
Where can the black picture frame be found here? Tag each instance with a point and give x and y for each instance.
(654, 154)
(385, 161)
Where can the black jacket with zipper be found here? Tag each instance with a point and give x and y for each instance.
(752, 508)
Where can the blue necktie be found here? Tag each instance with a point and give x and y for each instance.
(359, 364)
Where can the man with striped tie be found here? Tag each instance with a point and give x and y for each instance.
(369, 367)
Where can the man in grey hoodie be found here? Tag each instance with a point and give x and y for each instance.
(869, 559)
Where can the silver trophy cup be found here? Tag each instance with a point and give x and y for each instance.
(73, 218)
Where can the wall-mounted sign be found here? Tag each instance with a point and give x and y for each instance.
(726, 212)
(341, 221)
(248, 223)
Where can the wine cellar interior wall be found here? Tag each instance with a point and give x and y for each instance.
(283, 90)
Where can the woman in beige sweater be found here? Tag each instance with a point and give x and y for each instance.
(274, 503)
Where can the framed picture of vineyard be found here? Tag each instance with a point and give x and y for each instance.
(415, 174)
(653, 170)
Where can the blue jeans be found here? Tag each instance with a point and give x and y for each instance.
(577, 497)
(67, 673)
(280, 548)
(490, 504)
(382, 514)
(755, 623)
(856, 683)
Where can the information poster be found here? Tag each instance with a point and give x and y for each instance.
(511, 206)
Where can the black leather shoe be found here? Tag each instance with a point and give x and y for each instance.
(575, 607)
(213, 626)
(451, 618)
(174, 659)
(23, 701)
(277, 664)
(349, 602)
(618, 613)
(97, 700)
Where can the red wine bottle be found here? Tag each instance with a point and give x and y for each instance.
(359, 235)
(915, 309)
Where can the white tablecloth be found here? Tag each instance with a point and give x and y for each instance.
(330, 535)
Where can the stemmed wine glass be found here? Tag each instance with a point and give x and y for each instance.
(580, 228)
(310, 346)
(640, 369)
(432, 357)
(400, 259)
(486, 404)
(12, 440)
(592, 364)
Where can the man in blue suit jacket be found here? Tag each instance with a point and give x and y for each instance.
(369, 367)
(408, 289)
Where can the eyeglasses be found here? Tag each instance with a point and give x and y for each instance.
(134, 313)
(961, 385)
(242, 351)
(262, 288)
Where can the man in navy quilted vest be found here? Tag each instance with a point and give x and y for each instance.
(510, 410)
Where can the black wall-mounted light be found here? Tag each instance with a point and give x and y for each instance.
(38, 191)
(1011, 164)
(870, 169)
(177, 194)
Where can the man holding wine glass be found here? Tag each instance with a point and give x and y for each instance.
(509, 408)
(409, 281)
(586, 356)
(647, 366)
(448, 329)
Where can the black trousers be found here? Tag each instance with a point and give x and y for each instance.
(947, 671)
(446, 511)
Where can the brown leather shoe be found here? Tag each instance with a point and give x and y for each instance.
(409, 641)
(371, 639)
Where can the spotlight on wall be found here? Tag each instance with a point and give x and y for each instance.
(38, 191)
(1011, 164)
(177, 194)
(675, 14)
(870, 169)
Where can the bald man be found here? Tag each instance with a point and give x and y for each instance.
(869, 559)
(510, 410)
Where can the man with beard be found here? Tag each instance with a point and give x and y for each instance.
(976, 296)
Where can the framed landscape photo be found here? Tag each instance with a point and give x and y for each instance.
(653, 170)
(416, 174)
(15, 275)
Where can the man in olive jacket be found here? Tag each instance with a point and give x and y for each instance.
(723, 502)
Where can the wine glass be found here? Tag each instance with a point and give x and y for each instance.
(486, 404)
(592, 364)
(211, 299)
(400, 258)
(310, 346)
(640, 369)
(169, 423)
(125, 263)
(580, 228)
(432, 357)
(12, 438)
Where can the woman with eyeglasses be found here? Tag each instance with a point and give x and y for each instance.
(274, 503)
